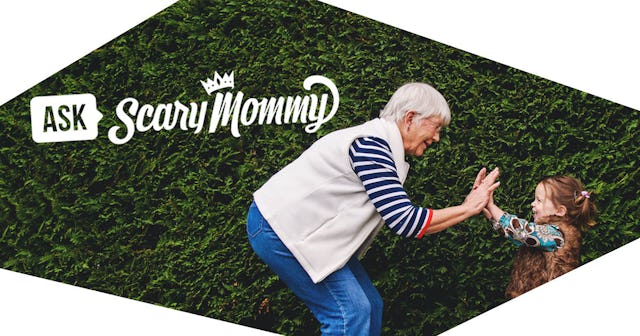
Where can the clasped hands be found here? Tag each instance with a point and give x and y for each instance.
(482, 191)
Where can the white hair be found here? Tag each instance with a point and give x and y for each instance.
(419, 97)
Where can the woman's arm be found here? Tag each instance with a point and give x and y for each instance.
(447, 217)
(372, 161)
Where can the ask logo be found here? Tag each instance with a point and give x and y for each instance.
(64, 118)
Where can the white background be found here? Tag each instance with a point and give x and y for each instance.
(590, 46)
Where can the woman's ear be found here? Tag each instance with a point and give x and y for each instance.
(409, 118)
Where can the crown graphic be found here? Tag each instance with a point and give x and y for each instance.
(218, 82)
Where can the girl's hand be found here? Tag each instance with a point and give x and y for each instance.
(487, 214)
(490, 204)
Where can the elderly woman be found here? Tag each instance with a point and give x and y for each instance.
(314, 218)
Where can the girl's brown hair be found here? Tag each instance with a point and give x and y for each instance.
(570, 193)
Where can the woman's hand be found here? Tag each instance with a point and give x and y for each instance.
(472, 205)
(485, 211)
(482, 191)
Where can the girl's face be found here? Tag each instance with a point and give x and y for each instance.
(542, 205)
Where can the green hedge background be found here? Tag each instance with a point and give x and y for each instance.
(161, 218)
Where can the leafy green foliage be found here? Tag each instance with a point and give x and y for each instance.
(161, 218)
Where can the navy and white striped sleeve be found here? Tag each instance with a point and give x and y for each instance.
(372, 161)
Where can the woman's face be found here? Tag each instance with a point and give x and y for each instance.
(542, 205)
(419, 135)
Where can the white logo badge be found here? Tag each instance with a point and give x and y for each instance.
(64, 118)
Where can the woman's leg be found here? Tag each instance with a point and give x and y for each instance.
(338, 302)
(372, 294)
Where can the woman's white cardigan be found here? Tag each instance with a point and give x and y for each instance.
(318, 206)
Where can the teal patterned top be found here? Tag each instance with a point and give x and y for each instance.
(521, 232)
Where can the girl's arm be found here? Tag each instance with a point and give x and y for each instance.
(494, 212)
(521, 232)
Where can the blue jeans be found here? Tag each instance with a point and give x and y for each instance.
(345, 302)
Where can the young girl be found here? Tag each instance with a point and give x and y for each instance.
(550, 245)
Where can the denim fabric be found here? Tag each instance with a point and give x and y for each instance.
(345, 302)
